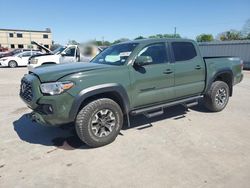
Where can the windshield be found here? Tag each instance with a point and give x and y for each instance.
(58, 50)
(115, 55)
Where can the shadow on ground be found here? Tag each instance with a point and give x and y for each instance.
(65, 137)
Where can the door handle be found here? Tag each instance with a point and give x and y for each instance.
(198, 67)
(168, 71)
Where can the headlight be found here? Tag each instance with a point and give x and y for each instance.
(33, 61)
(56, 88)
(3, 59)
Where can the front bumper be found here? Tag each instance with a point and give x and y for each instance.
(3, 64)
(47, 110)
(31, 67)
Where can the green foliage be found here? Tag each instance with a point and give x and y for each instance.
(120, 40)
(72, 42)
(230, 35)
(140, 37)
(54, 46)
(102, 43)
(165, 36)
(204, 38)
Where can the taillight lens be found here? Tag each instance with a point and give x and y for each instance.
(241, 64)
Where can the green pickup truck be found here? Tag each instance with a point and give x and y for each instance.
(135, 77)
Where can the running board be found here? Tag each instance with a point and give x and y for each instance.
(188, 105)
(159, 108)
(153, 114)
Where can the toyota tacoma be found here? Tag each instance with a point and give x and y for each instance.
(135, 77)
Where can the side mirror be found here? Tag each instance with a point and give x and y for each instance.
(143, 60)
(63, 54)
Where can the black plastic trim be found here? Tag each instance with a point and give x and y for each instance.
(99, 89)
(165, 105)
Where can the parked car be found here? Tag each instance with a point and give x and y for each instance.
(13, 52)
(64, 54)
(18, 59)
(136, 77)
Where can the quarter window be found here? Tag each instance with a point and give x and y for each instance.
(183, 51)
(157, 52)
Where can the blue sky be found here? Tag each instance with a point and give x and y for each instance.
(113, 19)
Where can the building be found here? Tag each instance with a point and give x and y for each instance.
(14, 38)
(239, 48)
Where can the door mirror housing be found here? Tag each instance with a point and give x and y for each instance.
(143, 60)
(63, 54)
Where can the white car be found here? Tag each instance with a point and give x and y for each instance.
(64, 54)
(19, 59)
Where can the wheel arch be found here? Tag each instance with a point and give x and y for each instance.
(112, 91)
(225, 75)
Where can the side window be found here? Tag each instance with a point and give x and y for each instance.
(26, 54)
(70, 51)
(157, 52)
(183, 51)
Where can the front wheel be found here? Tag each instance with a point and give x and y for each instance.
(217, 97)
(99, 122)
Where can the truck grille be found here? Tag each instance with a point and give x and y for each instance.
(26, 90)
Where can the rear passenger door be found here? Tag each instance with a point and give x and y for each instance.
(189, 69)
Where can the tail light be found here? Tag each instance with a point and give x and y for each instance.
(241, 64)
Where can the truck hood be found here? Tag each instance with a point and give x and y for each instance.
(53, 73)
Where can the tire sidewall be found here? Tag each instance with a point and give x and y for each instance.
(12, 63)
(83, 122)
(220, 85)
(116, 129)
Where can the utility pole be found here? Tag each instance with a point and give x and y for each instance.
(102, 40)
(174, 31)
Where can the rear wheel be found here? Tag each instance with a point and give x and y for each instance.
(217, 97)
(99, 122)
(12, 64)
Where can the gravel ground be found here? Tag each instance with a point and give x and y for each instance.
(182, 148)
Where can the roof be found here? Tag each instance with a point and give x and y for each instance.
(47, 30)
(153, 40)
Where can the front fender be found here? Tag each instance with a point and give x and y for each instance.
(99, 89)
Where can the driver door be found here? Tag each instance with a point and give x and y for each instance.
(68, 55)
(153, 82)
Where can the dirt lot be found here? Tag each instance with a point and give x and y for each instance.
(181, 148)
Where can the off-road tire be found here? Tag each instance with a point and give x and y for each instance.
(211, 98)
(12, 64)
(84, 122)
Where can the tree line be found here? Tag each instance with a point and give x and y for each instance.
(243, 34)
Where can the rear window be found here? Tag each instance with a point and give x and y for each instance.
(183, 51)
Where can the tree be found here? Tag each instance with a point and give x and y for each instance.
(120, 40)
(246, 29)
(165, 36)
(140, 37)
(230, 35)
(204, 38)
(55, 46)
(72, 42)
